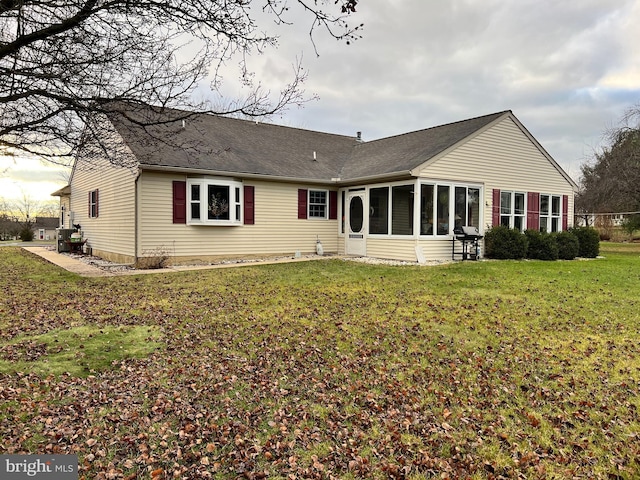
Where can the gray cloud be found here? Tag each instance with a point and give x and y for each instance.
(566, 69)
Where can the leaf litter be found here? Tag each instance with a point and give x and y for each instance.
(260, 377)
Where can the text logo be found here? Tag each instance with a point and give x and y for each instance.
(44, 467)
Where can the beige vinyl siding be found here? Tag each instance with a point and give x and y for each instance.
(501, 157)
(392, 248)
(111, 234)
(405, 249)
(276, 231)
(437, 249)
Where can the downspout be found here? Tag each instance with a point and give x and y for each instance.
(135, 216)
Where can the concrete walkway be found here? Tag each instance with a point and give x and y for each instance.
(85, 270)
(68, 263)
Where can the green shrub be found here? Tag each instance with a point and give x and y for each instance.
(631, 224)
(568, 245)
(541, 245)
(589, 240)
(504, 243)
(26, 234)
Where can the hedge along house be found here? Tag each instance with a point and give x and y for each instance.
(203, 187)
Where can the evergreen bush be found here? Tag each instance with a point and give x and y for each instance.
(568, 245)
(589, 240)
(504, 243)
(541, 245)
(26, 234)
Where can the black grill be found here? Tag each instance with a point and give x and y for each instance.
(469, 237)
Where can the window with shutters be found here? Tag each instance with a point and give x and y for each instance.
(214, 202)
(93, 204)
(318, 204)
(513, 209)
(550, 213)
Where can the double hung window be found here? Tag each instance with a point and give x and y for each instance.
(93, 204)
(550, 213)
(318, 204)
(513, 210)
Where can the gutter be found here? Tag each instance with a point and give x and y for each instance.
(278, 178)
(257, 176)
(377, 178)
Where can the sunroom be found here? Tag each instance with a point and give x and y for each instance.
(403, 215)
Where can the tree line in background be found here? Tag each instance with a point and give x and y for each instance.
(18, 218)
(610, 182)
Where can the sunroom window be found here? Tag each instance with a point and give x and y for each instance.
(402, 210)
(426, 209)
(467, 207)
(391, 207)
(442, 210)
(214, 202)
(445, 207)
(379, 211)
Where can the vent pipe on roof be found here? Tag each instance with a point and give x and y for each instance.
(184, 123)
(315, 158)
(359, 136)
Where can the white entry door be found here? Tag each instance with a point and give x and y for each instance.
(356, 243)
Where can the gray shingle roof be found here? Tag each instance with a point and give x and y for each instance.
(405, 152)
(223, 144)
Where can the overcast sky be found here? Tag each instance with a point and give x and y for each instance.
(567, 69)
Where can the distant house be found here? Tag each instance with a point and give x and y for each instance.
(207, 187)
(603, 220)
(44, 228)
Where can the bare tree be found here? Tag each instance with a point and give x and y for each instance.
(611, 181)
(26, 208)
(48, 208)
(9, 227)
(62, 61)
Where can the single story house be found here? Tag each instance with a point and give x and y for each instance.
(202, 187)
(44, 228)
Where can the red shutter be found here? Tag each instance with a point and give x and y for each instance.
(89, 205)
(565, 212)
(302, 204)
(97, 214)
(333, 205)
(249, 202)
(533, 210)
(495, 217)
(179, 202)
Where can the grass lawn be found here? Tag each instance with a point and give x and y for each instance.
(328, 369)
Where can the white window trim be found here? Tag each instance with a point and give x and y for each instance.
(452, 186)
(550, 216)
(326, 204)
(204, 202)
(416, 217)
(93, 203)
(390, 185)
(512, 215)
